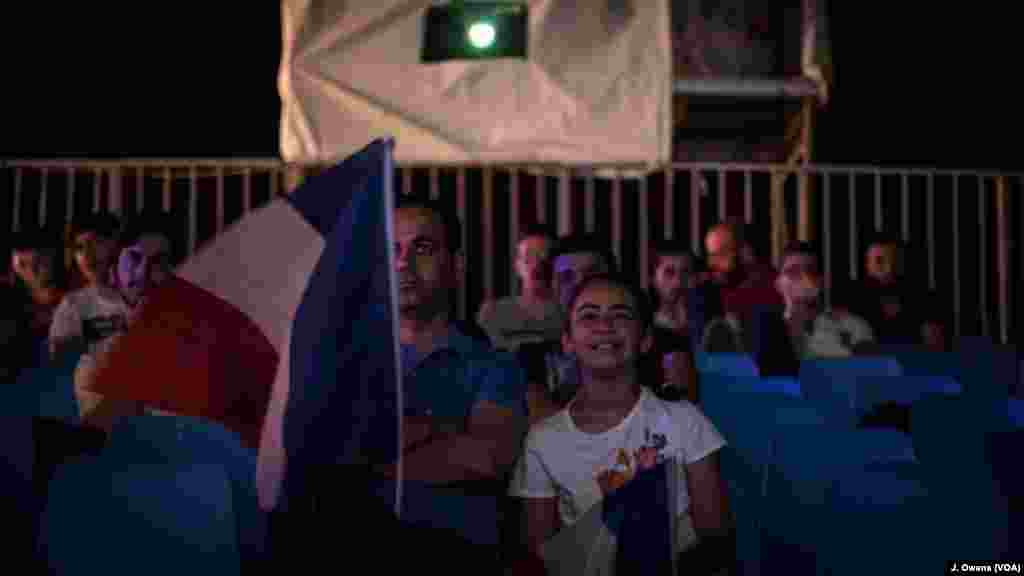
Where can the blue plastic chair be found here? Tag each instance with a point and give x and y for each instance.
(18, 502)
(885, 511)
(798, 487)
(47, 390)
(833, 381)
(747, 417)
(989, 371)
(770, 385)
(868, 393)
(109, 517)
(1015, 411)
(727, 364)
(1003, 451)
(950, 435)
(187, 441)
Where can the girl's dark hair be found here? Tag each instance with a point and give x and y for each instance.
(640, 300)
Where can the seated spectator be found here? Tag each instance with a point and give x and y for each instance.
(814, 331)
(15, 335)
(35, 262)
(734, 307)
(185, 351)
(470, 432)
(144, 262)
(673, 370)
(898, 308)
(87, 318)
(533, 315)
(615, 427)
(550, 373)
(674, 273)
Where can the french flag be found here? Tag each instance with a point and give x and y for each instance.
(283, 329)
(632, 530)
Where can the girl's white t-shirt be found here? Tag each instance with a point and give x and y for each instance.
(560, 461)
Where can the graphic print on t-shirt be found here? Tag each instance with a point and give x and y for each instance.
(100, 328)
(623, 465)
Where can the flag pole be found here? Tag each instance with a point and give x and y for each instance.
(389, 219)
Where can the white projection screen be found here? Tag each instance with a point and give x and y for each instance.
(596, 87)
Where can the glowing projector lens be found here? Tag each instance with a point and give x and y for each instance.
(481, 35)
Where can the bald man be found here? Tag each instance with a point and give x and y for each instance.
(733, 289)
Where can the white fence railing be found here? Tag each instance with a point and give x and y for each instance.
(964, 225)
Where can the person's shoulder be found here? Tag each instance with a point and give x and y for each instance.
(553, 427)
(681, 411)
(80, 297)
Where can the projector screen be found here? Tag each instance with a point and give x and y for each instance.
(595, 88)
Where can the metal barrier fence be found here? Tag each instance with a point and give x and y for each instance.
(964, 227)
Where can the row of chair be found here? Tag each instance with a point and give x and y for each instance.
(816, 493)
(160, 495)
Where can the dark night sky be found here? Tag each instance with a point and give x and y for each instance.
(185, 81)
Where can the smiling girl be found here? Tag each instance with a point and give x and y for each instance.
(615, 427)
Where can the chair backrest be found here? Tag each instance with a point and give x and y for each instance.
(989, 372)
(827, 368)
(151, 518)
(1015, 411)
(17, 498)
(831, 452)
(770, 385)
(833, 380)
(869, 393)
(47, 390)
(728, 364)
(949, 434)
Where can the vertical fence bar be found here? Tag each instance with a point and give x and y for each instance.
(167, 184)
(275, 183)
(487, 222)
(826, 204)
(670, 204)
(854, 249)
(193, 208)
(114, 196)
(564, 204)
(513, 224)
(70, 201)
(140, 189)
(16, 208)
(983, 257)
(407, 181)
(905, 206)
(540, 191)
(879, 217)
(460, 209)
(956, 254)
(930, 228)
(748, 197)
(617, 218)
(44, 186)
(1003, 259)
(246, 190)
(589, 203)
(220, 199)
(695, 191)
(435, 182)
(645, 232)
(803, 192)
(97, 190)
(723, 206)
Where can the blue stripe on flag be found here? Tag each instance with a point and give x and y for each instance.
(343, 404)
